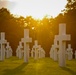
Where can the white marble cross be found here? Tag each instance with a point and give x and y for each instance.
(70, 52)
(36, 46)
(10, 51)
(2, 46)
(52, 52)
(62, 38)
(56, 43)
(20, 44)
(32, 53)
(56, 46)
(27, 40)
(41, 52)
(7, 50)
(19, 50)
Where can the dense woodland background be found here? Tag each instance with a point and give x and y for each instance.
(44, 30)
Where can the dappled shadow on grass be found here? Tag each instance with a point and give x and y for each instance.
(17, 71)
(44, 66)
(68, 70)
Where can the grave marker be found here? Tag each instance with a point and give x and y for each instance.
(2, 46)
(62, 38)
(69, 52)
(27, 40)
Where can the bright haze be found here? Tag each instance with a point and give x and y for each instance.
(35, 8)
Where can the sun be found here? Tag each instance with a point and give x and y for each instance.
(37, 8)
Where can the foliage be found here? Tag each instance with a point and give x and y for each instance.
(43, 30)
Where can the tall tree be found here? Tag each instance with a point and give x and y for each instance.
(70, 18)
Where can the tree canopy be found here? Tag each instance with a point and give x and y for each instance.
(43, 30)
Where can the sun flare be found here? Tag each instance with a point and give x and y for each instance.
(36, 8)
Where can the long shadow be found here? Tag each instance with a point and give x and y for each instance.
(16, 71)
(69, 70)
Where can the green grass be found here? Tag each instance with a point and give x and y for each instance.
(45, 66)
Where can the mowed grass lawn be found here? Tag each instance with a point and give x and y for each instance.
(44, 66)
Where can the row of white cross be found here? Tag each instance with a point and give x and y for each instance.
(24, 51)
(58, 50)
(36, 52)
(5, 49)
(59, 43)
(61, 40)
(54, 53)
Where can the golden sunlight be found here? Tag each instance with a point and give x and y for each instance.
(37, 8)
